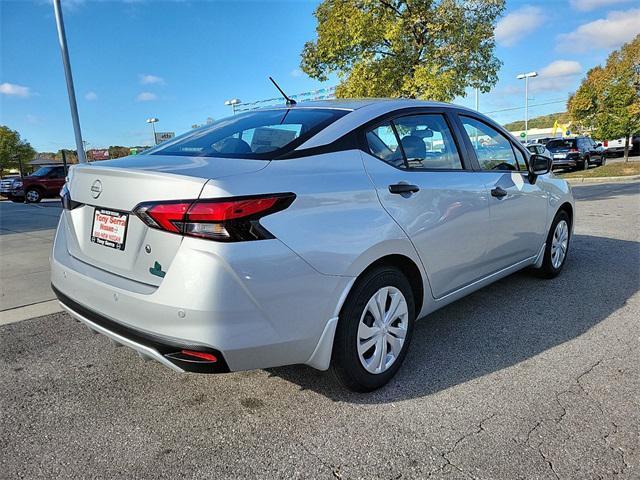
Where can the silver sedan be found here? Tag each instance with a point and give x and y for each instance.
(312, 234)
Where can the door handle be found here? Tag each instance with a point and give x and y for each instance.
(498, 192)
(401, 188)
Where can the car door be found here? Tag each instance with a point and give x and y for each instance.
(517, 205)
(54, 181)
(421, 176)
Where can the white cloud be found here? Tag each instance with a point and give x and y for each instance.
(617, 28)
(33, 119)
(561, 68)
(296, 73)
(12, 89)
(558, 76)
(146, 97)
(518, 24)
(586, 5)
(90, 96)
(151, 79)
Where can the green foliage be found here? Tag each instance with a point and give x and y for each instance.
(543, 121)
(70, 155)
(117, 151)
(608, 100)
(405, 48)
(13, 150)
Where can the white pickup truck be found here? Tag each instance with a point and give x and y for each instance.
(616, 147)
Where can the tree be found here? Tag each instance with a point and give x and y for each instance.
(608, 100)
(14, 152)
(117, 152)
(405, 48)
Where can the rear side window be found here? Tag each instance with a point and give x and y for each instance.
(418, 142)
(493, 150)
(263, 134)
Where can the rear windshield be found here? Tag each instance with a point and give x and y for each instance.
(263, 134)
(558, 144)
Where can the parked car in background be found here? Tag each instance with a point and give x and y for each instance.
(45, 182)
(615, 148)
(5, 184)
(540, 149)
(314, 234)
(578, 152)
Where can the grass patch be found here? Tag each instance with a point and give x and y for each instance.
(619, 169)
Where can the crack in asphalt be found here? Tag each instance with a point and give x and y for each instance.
(445, 454)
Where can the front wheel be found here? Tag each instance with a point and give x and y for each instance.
(585, 164)
(603, 161)
(374, 330)
(32, 195)
(557, 247)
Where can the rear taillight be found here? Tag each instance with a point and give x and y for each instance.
(573, 150)
(606, 143)
(226, 220)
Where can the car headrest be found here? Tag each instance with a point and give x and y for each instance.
(235, 145)
(414, 146)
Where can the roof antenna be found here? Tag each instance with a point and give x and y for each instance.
(290, 101)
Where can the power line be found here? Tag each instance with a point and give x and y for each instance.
(563, 100)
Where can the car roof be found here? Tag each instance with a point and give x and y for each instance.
(358, 103)
(361, 111)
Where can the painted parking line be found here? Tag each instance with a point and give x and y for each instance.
(26, 312)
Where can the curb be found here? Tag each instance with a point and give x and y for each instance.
(40, 309)
(580, 180)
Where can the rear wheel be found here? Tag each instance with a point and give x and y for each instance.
(603, 161)
(557, 247)
(585, 163)
(374, 330)
(32, 195)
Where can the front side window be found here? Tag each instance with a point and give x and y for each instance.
(419, 142)
(493, 149)
(260, 134)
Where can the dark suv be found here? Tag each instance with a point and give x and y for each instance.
(45, 182)
(579, 152)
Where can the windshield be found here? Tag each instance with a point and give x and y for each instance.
(263, 134)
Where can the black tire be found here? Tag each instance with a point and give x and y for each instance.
(32, 195)
(603, 161)
(585, 163)
(345, 362)
(547, 270)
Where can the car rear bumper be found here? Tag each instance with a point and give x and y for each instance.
(563, 163)
(253, 304)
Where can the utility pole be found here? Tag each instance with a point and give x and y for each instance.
(62, 40)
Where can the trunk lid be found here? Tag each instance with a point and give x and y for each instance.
(114, 188)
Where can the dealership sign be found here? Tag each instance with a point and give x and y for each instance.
(164, 136)
(98, 154)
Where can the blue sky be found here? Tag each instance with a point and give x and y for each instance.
(180, 60)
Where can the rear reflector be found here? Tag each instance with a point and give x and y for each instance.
(209, 357)
(227, 220)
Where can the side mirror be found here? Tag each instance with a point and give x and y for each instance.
(599, 145)
(539, 164)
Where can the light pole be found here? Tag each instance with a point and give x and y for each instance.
(153, 121)
(526, 77)
(232, 103)
(62, 40)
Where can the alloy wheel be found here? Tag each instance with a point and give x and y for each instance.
(32, 196)
(559, 244)
(382, 330)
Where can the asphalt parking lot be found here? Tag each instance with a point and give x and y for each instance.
(524, 379)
